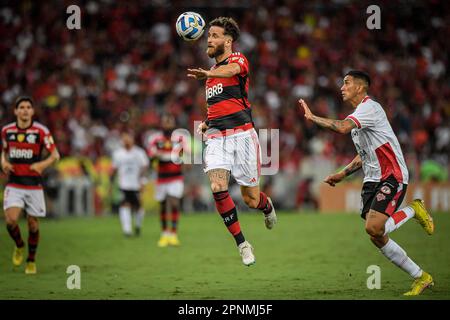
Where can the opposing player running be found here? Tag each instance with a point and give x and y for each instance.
(232, 144)
(385, 174)
(130, 164)
(23, 142)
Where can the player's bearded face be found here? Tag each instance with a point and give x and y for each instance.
(215, 50)
(216, 42)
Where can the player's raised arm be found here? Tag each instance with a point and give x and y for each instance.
(351, 168)
(225, 71)
(339, 126)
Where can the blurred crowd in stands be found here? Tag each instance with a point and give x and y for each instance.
(126, 66)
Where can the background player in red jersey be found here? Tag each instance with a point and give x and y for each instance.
(232, 145)
(22, 145)
(167, 149)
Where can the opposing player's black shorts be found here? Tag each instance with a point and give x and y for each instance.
(132, 198)
(384, 196)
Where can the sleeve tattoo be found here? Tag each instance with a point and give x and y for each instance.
(338, 126)
(353, 166)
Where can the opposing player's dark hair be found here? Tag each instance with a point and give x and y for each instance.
(22, 99)
(360, 75)
(229, 25)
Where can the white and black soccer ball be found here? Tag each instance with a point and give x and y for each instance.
(190, 26)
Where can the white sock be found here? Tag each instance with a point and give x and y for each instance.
(398, 256)
(139, 217)
(398, 219)
(125, 219)
(167, 233)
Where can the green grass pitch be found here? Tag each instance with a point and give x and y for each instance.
(306, 256)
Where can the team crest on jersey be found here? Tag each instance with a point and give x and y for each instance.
(380, 197)
(167, 145)
(20, 137)
(31, 138)
(386, 190)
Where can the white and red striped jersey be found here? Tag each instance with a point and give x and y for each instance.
(376, 143)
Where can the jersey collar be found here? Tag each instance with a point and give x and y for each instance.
(31, 124)
(365, 99)
(224, 61)
(362, 101)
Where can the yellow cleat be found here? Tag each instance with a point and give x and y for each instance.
(17, 257)
(31, 268)
(163, 241)
(423, 216)
(173, 240)
(420, 284)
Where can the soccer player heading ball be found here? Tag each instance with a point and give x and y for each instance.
(385, 174)
(232, 146)
(22, 144)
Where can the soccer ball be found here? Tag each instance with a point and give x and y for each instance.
(190, 26)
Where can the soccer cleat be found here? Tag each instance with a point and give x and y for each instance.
(246, 252)
(163, 241)
(17, 257)
(270, 219)
(423, 216)
(173, 240)
(31, 268)
(420, 284)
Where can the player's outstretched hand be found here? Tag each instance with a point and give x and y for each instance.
(199, 74)
(333, 179)
(308, 113)
(202, 127)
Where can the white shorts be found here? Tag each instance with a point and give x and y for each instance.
(174, 189)
(32, 201)
(239, 153)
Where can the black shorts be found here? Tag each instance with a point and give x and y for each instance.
(384, 196)
(132, 198)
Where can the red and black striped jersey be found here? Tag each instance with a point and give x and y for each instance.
(23, 147)
(227, 98)
(168, 151)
